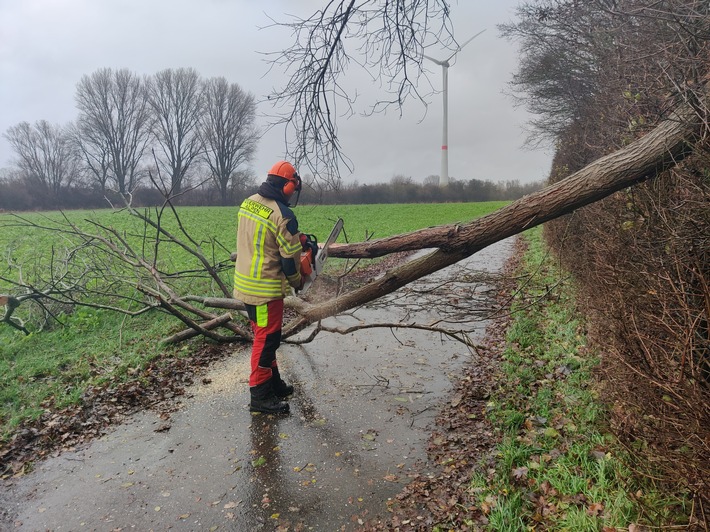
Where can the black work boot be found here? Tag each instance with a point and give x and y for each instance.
(263, 399)
(281, 389)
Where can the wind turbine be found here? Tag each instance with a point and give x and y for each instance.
(444, 176)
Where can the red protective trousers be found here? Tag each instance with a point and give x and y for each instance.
(266, 322)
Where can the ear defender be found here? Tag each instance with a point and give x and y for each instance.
(293, 184)
(289, 187)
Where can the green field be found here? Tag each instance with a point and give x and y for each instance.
(53, 366)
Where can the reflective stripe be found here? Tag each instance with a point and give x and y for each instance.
(259, 221)
(262, 238)
(257, 258)
(290, 249)
(259, 238)
(262, 315)
(258, 287)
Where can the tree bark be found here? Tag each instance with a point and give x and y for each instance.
(645, 158)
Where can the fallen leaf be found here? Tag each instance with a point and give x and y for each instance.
(520, 473)
(595, 509)
(551, 433)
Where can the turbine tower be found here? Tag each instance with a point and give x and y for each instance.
(444, 176)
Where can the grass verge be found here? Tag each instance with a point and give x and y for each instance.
(557, 466)
(53, 369)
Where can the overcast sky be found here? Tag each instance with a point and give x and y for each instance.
(46, 46)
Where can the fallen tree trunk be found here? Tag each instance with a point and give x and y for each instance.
(663, 147)
(645, 158)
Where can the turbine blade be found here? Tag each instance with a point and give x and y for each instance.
(432, 59)
(464, 44)
(468, 41)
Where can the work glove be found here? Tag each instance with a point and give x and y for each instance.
(309, 242)
(296, 281)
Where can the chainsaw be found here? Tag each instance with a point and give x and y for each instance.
(313, 257)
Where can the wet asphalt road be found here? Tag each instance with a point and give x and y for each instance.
(363, 410)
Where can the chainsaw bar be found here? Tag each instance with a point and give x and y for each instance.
(322, 254)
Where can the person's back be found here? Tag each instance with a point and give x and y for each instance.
(267, 230)
(268, 252)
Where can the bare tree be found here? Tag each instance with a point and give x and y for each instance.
(228, 131)
(94, 152)
(243, 183)
(114, 112)
(431, 180)
(562, 45)
(46, 154)
(176, 99)
(387, 39)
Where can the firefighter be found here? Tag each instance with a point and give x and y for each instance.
(268, 252)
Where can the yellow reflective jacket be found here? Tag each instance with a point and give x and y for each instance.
(267, 232)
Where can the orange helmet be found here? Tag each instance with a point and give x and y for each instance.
(283, 169)
(288, 172)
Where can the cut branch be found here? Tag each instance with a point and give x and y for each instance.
(191, 333)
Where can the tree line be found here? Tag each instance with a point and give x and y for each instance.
(174, 134)
(403, 189)
(20, 194)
